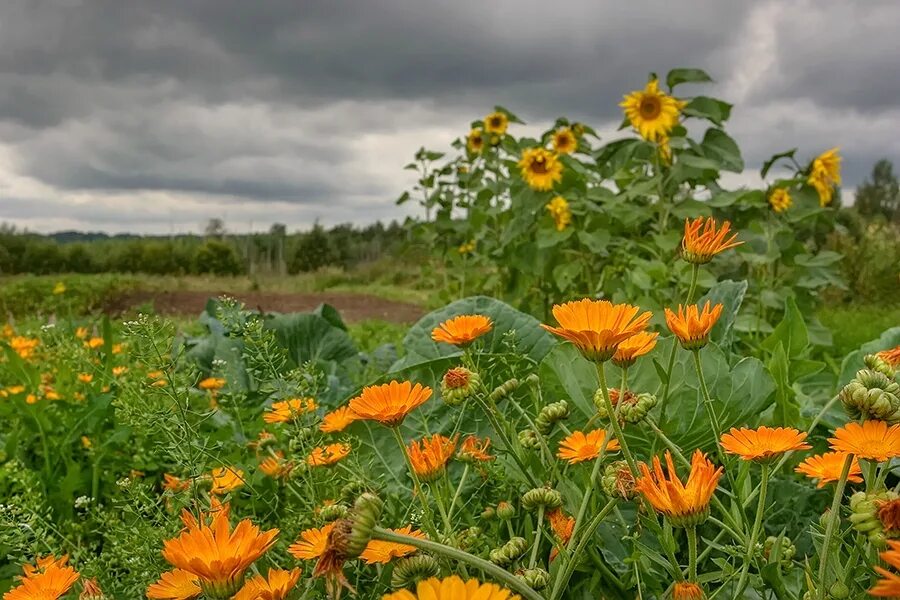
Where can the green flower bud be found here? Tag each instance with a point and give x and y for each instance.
(363, 519)
(528, 438)
(503, 390)
(488, 513)
(458, 385)
(333, 512)
(839, 590)
(864, 517)
(509, 552)
(550, 415)
(787, 551)
(876, 363)
(635, 411)
(873, 395)
(617, 480)
(533, 380)
(352, 490)
(536, 579)
(469, 538)
(546, 497)
(506, 511)
(409, 571)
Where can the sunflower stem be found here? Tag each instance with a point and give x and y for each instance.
(754, 533)
(833, 518)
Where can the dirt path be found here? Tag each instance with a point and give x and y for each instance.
(353, 307)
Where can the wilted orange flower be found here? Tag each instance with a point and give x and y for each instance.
(891, 357)
(312, 543)
(699, 246)
(176, 584)
(323, 456)
(379, 551)
(90, 590)
(872, 440)
(453, 588)
(226, 479)
(597, 327)
(562, 525)
(687, 590)
(175, 484)
(286, 411)
(888, 512)
(889, 585)
(828, 467)
(564, 141)
(337, 420)
(81, 332)
(462, 330)
(24, 346)
(211, 384)
(49, 579)
(580, 447)
(473, 449)
(429, 456)
(389, 403)
(684, 504)
(276, 587)
(691, 325)
(218, 556)
(763, 443)
(634, 347)
(276, 466)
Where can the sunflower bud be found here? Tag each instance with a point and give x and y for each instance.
(505, 511)
(786, 553)
(541, 497)
(503, 390)
(878, 364)
(536, 579)
(458, 385)
(550, 415)
(528, 438)
(509, 552)
(363, 519)
(617, 480)
(409, 571)
(873, 395)
(864, 514)
(333, 512)
(578, 129)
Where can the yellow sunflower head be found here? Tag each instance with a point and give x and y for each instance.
(496, 122)
(540, 169)
(475, 140)
(652, 112)
(780, 200)
(564, 141)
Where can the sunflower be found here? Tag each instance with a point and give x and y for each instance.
(703, 240)
(226, 479)
(475, 140)
(389, 403)
(872, 440)
(453, 588)
(687, 590)
(780, 200)
(429, 456)
(889, 586)
(286, 411)
(380, 551)
(176, 584)
(564, 141)
(597, 327)
(496, 123)
(540, 169)
(49, 579)
(634, 347)
(462, 330)
(312, 543)
(685, 504)
(763, 443)
(325, 456)
(559, 210)
(581, 446)
(337, 420)
(891, 357)
(651, 112)
(276, 586)
(825, 174)
(474, 450)
(827, 467)
(692, 325)
(211, 384)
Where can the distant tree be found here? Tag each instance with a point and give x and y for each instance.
(42, 257)
(218, 258)
(215, 228)
(880, 195)
(312, 252)
(78, 259)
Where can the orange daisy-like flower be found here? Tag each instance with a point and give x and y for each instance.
(429, 456)
(891, 357)
(828, 467)
(389, 403)
(597, 327)
(703, 240)
(49, 579)
(337, 420)
(226, 479)
(286, 411)
(379, 551)
(325, 456)
(175, 484)
(581, 446)
(763, 443)
(453, 588)
(312, 543)
(217, 555)
(691, 325)
(474, 450)
(634, 347)
(872, 440)
(211, 384)
(85, 377)
(462, 330)
(276, 587)
(24, 346)
(562, 525)
(176, 584)
(889, 585)
(687, 590)
(685, 504)
(276, 466)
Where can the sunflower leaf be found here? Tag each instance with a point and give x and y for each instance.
(677, 76)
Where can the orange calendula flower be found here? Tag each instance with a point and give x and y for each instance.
(337, 420)
(276, 586)
(891, 357)
(562, 525)
(211, 384)
(119, 370)
(453, 588)
(276, 466)
(581, 446)
(703, 240)
(49, 579)
(90, 590)
(540, 169)
(379, 551)
(85, 377)
(474, 450)
(687, 590)
(462, 330)
(389, 403)
(95, 342)
(828, 467)
(872, 440)
(889, 585)
(226, 479)
(684, 504)
(429, 456)
(324, 456)
(217, 555)
(286, 411)
(175, 484)
(691, 325)
(634, 347)
(564, 141)
(312, 543)
(24, 346)
(763, 443)
(176, 584)
(597, 327)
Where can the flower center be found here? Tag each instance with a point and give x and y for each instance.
(539, 166)
(650, 107)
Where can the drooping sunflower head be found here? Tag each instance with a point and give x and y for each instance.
(496, 123)
(597, 327)
(828, 467)
(325, 456)
(871, 440)
(825, 174)
(692, 325)
(581, 446)
(475, 140)
(780, 199)
(564, 141)
(652, 112)
(559, 210)
(634, 347)
(389, 403)
(540, 169)
(764, 443)
(453, 588)
(337, 420)
(462, 330)
(684, 504)
(429, 456)
(703, 240)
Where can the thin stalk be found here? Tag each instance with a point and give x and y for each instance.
(754, 533)
(614, 421)
(565, 572)
(833, 518)
(417, 485)
(537, 537)
(459, 488)
(695, 271)
(692, 552)
(489, 411)
(708, 403)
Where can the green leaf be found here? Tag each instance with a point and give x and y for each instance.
(310, 337)
(708, 108)
(790, 332)
(678, 76)
(775, 158)
(787, 409)
(730, 294)
(330, 314)
(719, 145)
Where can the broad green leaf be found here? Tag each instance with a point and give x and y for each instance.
(712, 109)
(678, 76)
(790, 332)
(787, 410)
(718, 145)
(310, 337)
(775, 158)
(730, 294)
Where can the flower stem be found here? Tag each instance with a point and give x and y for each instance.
(459, 488)
(708, 403)
(565, 571)
(614, 421)
(695, 271)
(754, 533)
(537, 537)
(692, 552)
(833, 518)
(417, 485)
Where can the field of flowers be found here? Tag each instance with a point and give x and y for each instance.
(666, 427)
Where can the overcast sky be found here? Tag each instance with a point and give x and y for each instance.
(153, 116)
